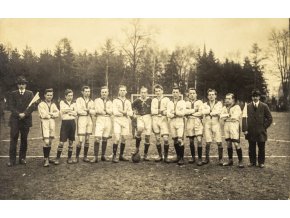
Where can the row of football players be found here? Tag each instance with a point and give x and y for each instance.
(192, 118)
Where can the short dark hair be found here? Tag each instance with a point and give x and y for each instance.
(190, 89)
(122, 86)
(176, 88)
(157, 86)
(231, 94)
(104, 87)
(48, 90)
(212, 90)
(67, 91)
(85, 87)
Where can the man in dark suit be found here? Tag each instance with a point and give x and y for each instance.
(20, 120)
(256, 120)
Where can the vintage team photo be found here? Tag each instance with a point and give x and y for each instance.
(159, 109)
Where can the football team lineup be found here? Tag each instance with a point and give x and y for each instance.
(156, 115)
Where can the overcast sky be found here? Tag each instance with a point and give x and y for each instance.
(224, 36)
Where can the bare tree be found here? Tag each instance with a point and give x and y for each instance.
(257, 59)
(137, 40)
(184, 59)
(279, 42)
(108, 51)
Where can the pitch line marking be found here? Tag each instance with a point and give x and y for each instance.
(215, 156)
(56, 137)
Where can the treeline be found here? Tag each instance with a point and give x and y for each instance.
(186, 67)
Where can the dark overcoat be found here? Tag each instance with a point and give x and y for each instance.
(18, 104)
(257, 122)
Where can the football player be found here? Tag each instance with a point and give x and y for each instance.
(85, 110)
(104, 111)
(231, 114)
(160, 122)
(212, 128)
(48, 111)
(176, 109)
(122, 111)
(68, 125)
(142, 108)
(194, 126)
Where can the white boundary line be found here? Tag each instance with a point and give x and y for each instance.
(56, 137)
(267, 156)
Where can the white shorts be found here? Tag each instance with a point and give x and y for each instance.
(121, 126)
(176, 127)
(103, 126)
(160, 125)
(144, 123)
(85, 125)
(47, 128)
(194, 127)
(232, 131)
(212, 130)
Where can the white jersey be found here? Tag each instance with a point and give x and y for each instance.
(45, 109)
(68, 110)
(159, 106)
(85, 107)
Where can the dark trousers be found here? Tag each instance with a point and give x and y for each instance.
(261, 152)
(15, 129)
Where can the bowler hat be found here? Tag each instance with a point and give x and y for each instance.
(21, 80)
(256, 92)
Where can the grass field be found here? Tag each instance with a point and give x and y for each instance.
(147, 180)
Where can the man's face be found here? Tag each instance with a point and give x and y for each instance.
(104, 93)
(48, 96)
(229, 100)
(69, 96)
(143, 93)
(192, 95)
(122, 92)
(211, 96)
(21, 86)
(256, 98)
(86, 93)
(158, 92)
(175, 93)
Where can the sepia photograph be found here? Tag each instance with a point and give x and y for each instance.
(144, 108)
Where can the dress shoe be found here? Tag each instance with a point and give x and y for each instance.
(22, 161)
(251, 165)
(181, 162)
(261, 165)
(103, 158)
(10, 164)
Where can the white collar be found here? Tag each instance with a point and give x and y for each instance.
(21, 91)
(256, 103)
